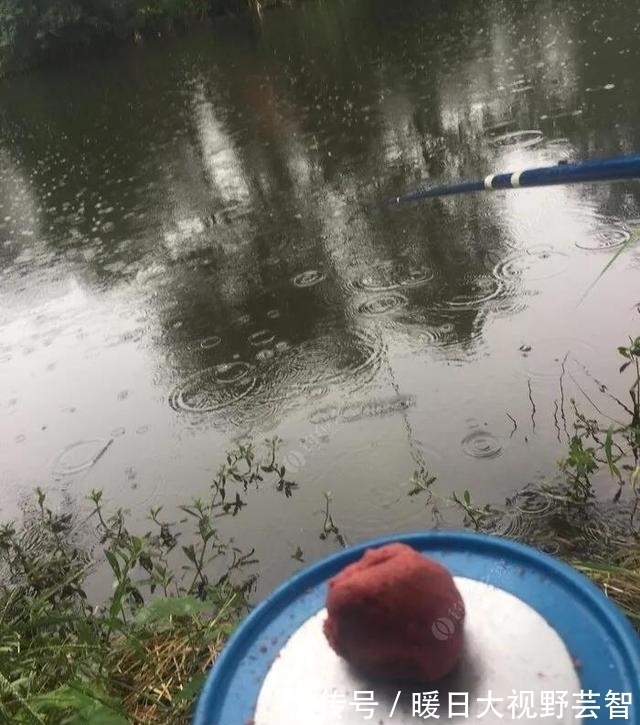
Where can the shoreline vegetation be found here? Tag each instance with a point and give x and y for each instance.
(180, 589)
(36, 32)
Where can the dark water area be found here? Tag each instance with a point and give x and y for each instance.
(194, 250)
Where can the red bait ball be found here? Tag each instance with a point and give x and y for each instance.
(396, 614)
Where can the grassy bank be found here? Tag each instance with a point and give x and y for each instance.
(179, 589)
(140, 657)
(33, 32)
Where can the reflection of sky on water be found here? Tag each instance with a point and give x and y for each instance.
(218, 155)
(215, 260)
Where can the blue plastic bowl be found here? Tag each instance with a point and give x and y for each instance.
(592, 628)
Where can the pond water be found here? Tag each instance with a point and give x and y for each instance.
(195, 249)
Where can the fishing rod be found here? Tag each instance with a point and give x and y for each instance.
(610, 169)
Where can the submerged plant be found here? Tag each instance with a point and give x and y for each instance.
(614, 445)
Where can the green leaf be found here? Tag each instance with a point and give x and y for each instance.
(115, 608)
(190, 553)
(192, 688)
(98, 714)
(162, 609)
(88, 708)
(467, 497)
(146, 562)
(113, 562)
(608, 442)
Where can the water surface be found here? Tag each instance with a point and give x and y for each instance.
(194, 250)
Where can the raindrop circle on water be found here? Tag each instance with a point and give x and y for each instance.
(535, 263)
(481, 444)
(78, 457)
(520, 139)
(214, 388)
(422, 334)
(209, 342)
(383, 304)
(389, 275)
(486, 289)
(262, 337)
(605, 239)
(350, 358)
(231, 372)
(309, 278)
(416, 276)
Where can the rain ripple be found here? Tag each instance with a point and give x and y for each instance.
(382, 304)
(605, 239)
(535, 513)
(309, 278)
(485, 289)
(79, 457)
(214, 388)
(390, 275)
(261, 337)
(518, 139)
(352, 358)
(481, 444)
(209, 342)
(280, 374)
(536, 263)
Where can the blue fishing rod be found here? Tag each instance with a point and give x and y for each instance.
(611, 169)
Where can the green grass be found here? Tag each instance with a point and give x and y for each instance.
(140, 657)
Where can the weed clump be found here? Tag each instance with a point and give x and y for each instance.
(142, 656)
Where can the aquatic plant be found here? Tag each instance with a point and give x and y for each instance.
(615, 446)
(565, 517)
